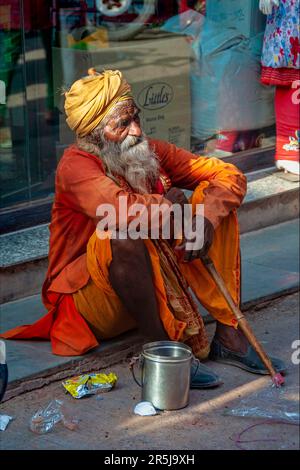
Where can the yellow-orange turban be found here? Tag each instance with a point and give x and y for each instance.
(91, 98)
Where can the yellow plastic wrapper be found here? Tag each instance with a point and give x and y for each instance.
(90, 384)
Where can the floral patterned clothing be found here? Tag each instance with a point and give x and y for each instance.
(281, 47)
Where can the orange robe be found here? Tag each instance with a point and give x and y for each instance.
(80, 187)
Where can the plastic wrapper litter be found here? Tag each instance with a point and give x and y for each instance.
(90, 384)
(4, 420)
(279, 404)
(46, 418)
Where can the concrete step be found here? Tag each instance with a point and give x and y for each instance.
(270, 268)
(271, 199)
(23, 260)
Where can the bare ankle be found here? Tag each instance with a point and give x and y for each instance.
(231, 338)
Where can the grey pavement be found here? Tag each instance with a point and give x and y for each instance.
(270, 265)
(109, 422)
(270, 260)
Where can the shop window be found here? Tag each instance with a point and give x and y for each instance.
(194, 67)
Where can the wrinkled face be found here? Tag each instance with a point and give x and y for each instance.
(122, 122)
(124, 150)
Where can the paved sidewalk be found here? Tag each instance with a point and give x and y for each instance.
(270, 260)
(109, 423)
(270, 265)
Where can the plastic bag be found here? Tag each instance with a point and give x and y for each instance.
(45, 419)
(279, 404)
(4, 420)
(226, 93)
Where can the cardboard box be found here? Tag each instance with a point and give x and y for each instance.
(158, 71)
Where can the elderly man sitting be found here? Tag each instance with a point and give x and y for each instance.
(99, 287)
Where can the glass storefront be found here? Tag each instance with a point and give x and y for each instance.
(194, 67)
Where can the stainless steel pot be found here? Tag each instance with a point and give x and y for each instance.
(165, 374)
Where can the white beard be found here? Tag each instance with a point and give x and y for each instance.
(134, 160)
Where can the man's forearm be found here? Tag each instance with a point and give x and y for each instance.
(220, 200)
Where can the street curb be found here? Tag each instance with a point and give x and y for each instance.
(101, 358)
(113, 353)
(21, 280)
(269, 210)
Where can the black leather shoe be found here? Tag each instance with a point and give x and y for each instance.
(203, 377)
(249, 361)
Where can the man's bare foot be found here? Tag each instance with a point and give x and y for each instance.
(231, 338)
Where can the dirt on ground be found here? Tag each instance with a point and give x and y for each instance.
(107, 421)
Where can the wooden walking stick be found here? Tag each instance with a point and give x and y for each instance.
(277, 378)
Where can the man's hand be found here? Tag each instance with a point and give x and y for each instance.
(176, 196)
(190, 255)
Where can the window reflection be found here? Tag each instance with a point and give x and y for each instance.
(203, 55)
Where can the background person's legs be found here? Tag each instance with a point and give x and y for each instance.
(287, 109)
